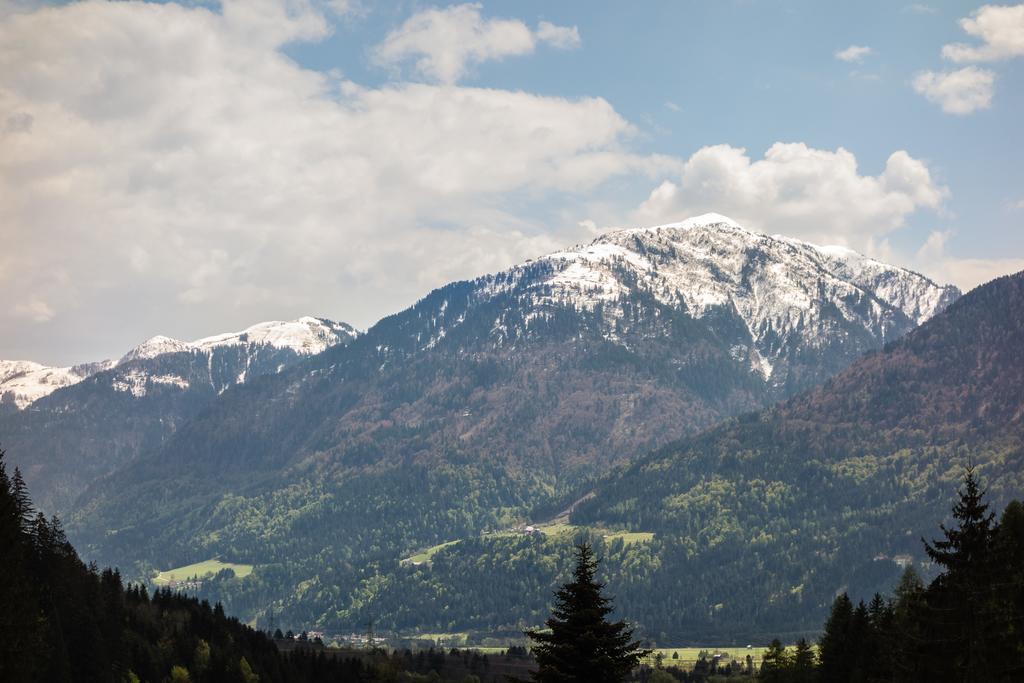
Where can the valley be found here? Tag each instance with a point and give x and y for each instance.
(379, 468)
(486, 341)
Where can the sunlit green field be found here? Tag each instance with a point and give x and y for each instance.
(687, 656)
(200, 569)
(558, 530)
(424, 556)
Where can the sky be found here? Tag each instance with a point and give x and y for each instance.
(191, 168)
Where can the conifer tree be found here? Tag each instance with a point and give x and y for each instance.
(834, 646)
(804, 664)
(581, 645)
(959, 617)
(776, 663)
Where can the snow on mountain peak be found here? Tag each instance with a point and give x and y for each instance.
(702, 221)
(153, 347)
(23, 382)
(779, 287)
(307, 335)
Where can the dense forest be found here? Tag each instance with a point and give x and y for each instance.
(66, 621)
(751, 527)
(481, 405)
(62, 620)
(966, 625)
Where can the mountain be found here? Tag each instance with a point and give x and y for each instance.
(23, 382)
(491, 400)
(72, 425)
(750, 529)
(815, 495)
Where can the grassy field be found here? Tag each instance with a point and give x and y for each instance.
(200, 569)
(630, 537)
(557, 530)
(424, 556)
(687, 656)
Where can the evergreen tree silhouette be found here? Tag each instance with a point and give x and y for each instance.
(582, 645)
(961, 626)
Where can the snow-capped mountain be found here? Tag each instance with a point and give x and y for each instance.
(67, 426)
(794, 299)
(489, 397)
(24, 382)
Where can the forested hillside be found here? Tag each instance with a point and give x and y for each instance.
(68, 437)
(490, 402)
(801, 499)
(759, 522)
(65, 621)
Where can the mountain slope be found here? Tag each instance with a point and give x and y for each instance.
(492, 398)
(74, 431)
(749, 530)
(811, 496)
(22, 381)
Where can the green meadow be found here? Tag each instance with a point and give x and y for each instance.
(200, 569)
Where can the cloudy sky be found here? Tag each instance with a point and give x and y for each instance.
(190, 168)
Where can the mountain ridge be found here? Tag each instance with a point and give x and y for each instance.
(72, 433)
(24, 382)
(484, 400)
(749, 529)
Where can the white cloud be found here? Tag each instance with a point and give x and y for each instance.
(562, 37)
(814, 194)
(36, 310)
(958, 92)
(1000, 29)
(172, 162)
(966, 273)
(854, 53)
(920, 8)
(672, 106)
(446, 43)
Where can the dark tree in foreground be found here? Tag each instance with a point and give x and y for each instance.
(967, 625)
(582, 645)
(971, 633)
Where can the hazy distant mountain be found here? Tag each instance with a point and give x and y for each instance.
(66, 426)
(493, 397)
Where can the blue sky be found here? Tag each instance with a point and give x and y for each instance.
(750, 73)
(187, 169)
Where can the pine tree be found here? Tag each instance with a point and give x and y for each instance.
(1009, 544)
(804, 662)
(776, 663)
(907, 639)
(959, 619)
(965, 550)
(21, 624)
(834, 646)
(582, 645)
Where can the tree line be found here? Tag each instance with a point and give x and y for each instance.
(965, 625)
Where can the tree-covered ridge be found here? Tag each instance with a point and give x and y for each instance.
(62, 621)
(759, 522)
(966, 625)
(65, 621)
(809, 493)
(65, 441)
